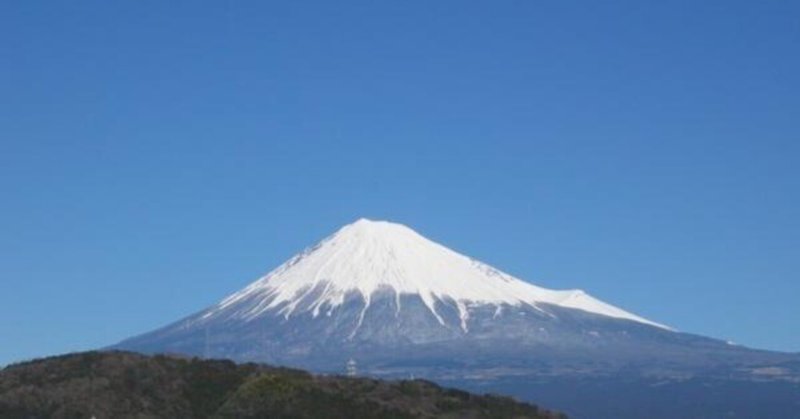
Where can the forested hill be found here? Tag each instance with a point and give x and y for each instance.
(128, 385)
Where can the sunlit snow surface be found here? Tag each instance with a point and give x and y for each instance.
(368, 256)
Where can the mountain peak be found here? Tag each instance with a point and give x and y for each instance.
(366, 222)
(365, 226)
(363, 221)
(367, 256)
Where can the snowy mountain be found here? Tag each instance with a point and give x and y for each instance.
(370, 256)
(402, 305)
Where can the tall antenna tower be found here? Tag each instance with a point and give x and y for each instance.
(352, 368)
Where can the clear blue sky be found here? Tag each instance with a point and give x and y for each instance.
(156, 156)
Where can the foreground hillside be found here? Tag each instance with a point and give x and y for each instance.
(127, 385)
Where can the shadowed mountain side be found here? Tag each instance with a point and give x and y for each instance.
(383, 336)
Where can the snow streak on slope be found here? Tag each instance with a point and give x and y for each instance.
(368, 256)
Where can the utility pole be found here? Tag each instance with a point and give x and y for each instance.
(91, 388)
(205, 346)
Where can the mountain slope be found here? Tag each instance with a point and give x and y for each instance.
(402, 305)
(369, 256)
(125, 385)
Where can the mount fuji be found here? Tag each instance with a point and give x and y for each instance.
(402, 305)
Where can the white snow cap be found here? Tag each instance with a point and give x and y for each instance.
(367, 255)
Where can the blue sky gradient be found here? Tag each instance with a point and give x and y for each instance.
(156, 156)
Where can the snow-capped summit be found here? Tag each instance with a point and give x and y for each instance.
(368, 256)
